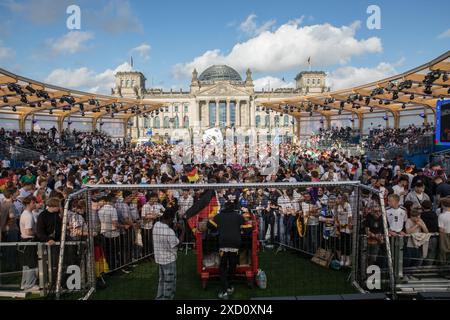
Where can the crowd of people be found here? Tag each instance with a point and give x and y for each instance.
(384, 138)
(53, 142)
(124, 220)
(335, 136)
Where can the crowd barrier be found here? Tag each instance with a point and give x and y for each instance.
(340, 242)
(328, 236)
(30, 268)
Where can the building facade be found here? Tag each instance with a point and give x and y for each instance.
(218, 97)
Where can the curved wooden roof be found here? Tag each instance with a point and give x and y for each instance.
(421, 86)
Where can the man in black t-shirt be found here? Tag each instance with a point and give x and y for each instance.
(228, 223)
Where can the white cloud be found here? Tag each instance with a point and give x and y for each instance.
(445, 34)
(5, 52)
(72, 42)
(347, 77)
(250, 27)
(38, 12)
(269, 82)
(286, 48)
(143, 50)
(116, 17)
(86, 79)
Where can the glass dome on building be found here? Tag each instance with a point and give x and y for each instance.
(219, 73)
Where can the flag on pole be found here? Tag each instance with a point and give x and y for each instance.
(309, 60)
(205, 208)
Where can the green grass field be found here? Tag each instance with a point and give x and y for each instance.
(287, 273)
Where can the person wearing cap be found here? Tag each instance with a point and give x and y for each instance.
(228, 223)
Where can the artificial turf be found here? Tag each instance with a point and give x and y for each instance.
(288, 274)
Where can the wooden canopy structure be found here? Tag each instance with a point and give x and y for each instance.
(419, 87)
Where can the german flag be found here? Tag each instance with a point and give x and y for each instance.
(193, 175)
(101, 266)
(205, 208)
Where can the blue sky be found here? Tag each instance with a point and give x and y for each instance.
(167, 39)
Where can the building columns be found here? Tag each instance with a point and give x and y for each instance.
(228, 111)
(238, 112)
(298, 127)
(251, 104)
(207, 115)
(217, 113)
(361, 123)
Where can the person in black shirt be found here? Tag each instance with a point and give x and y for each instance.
(49, 222)
(430, 219)
(228, 223)
(48, 229)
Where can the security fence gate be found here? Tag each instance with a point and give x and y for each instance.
(346, 230)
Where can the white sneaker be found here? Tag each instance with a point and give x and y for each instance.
(224, 295)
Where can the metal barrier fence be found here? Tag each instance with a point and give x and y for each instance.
(289, 217)
(29, 268)
(310, 238)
